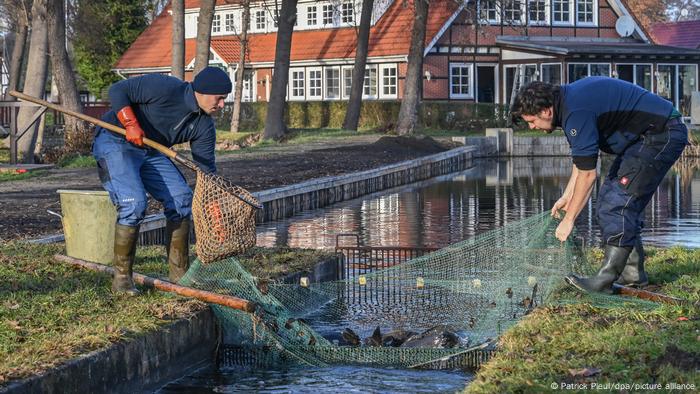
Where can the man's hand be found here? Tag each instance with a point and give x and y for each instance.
(134, 132)
(560, 204)
(564, 229)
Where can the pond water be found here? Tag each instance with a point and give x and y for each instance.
(493, 193)
(436, 213)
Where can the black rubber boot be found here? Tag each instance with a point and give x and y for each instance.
(613, 264)
(125, 238)
(177, 245)
(634, 275)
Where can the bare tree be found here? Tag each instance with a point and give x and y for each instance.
(77, 138)
(352, 116)
(178, 62)
(19, 14)
(240, 71)
(206, 16)
(413, 87)
(274, 123)
(35, 83)
(154, 8)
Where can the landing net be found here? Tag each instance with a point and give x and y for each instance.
(474, 289)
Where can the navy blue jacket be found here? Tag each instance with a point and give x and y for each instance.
(608, 114)
(168, 113)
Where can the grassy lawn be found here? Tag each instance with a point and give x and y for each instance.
(18, 176)
(51, 312)
(583, 344)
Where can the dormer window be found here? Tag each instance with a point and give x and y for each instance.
(347, 13)
(311, 17)
(260, 20)
(328, 13)
(216, 24)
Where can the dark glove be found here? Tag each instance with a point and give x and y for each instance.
(134, 132)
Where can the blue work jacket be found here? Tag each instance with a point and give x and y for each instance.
(168, 113)
(601, 113)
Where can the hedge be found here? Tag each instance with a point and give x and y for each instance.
(375, 115)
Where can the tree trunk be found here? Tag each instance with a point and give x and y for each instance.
(413, 87)
(76, 133)
(15, 68)
(240, 71)
(35, 81)
(274, 123)
(352, 116)
(206, 16)
(178, 61)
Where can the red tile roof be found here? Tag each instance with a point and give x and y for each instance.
(389, 36)
(684, 34)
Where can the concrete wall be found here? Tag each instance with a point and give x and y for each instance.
(141, 364)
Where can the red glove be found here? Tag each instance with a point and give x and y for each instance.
(134, 132)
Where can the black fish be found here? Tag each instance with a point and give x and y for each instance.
(441, 337)
(375, 339)
(288, 323)
(396, 338)
(312, 341)
(350, 337)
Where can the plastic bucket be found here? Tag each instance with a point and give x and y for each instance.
(88, 224)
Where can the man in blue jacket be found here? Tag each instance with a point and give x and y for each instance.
(644, 131)
(168, 111)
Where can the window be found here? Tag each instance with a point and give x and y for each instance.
(347, 81)
(216, 24)
(676, 83)
(551, 73)
(584, 11)
(229, 22)
(370, 85)
(260, 20)
(296, 79)
(580, 70)
(311, 19)
(314, 83)
(489, 12)
(639, 74)
(561, 11)
(537, 11)
(332, 80)
(460, 80)
(512, 11)
(328, 11)
(389, 81)
(248, 85)
(347, 13)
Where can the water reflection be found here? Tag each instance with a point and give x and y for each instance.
(349, 379)
(493, 193)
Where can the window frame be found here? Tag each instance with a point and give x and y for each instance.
(588, 69)
(634, 73)
(327, 86)
(561, 71)
(216, 24)
(309, 95)
(570, 12)
(495, 9)
(290, 94)
(351, 14)
(257, 21)
(594, 13)
(367, 80)
(470, 70)
(309, 14)
(382, 85)
(546, 11)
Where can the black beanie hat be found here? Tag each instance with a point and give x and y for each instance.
(212, 80)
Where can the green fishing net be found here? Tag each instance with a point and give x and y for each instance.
(475, 289)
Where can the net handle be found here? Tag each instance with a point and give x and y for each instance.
(160, 148)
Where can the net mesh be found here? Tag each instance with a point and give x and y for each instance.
(224, 218)
(474, 289)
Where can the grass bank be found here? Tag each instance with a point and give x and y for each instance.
(51, 313)
(581, 347)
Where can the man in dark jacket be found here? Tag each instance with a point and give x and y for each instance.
(644, 131)
(168, 111)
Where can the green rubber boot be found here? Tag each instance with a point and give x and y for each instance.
(613, 264)
(177, 245)
(634, 275)
(125, 238)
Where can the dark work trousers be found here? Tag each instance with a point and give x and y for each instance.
(632, 180)
(127, 172)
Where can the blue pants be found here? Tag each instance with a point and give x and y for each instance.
(127, 172)
(632, 180)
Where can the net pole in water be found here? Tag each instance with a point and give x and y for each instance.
(164, 285)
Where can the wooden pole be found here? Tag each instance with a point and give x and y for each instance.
(164, 285)
(647, 295)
